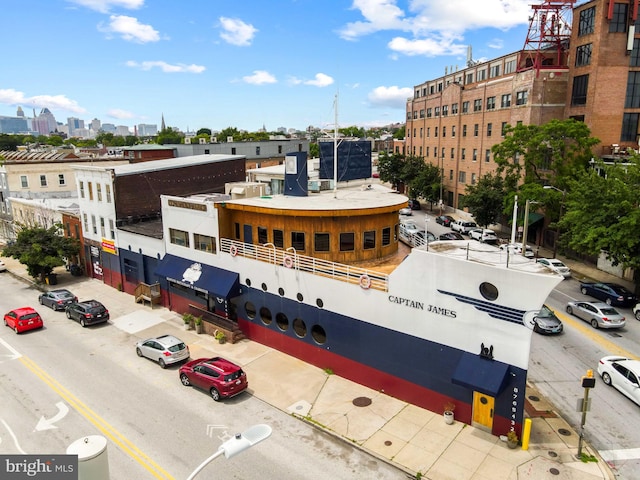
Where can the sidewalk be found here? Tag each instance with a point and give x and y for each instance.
(415, 440)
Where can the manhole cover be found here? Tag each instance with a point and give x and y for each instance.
(362, 401)
(534, 398)
(551, 453)
(564, 431)
(554, 471)
(388, 443)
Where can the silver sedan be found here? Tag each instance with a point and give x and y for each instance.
(598, 314)
(165, 350)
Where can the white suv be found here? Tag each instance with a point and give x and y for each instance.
(516, 248)
(463, 226)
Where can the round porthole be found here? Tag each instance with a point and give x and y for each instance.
(488, 291)
(299, 297)
(282, 321)
(318, 334)
(281, 291)
(250, 308)
(264, 287)
(319, 302)
(265, 315)
(248, 282)
(299, 327)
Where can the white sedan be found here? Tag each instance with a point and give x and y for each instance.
(484, 235)
(556, 265)
(622, 374)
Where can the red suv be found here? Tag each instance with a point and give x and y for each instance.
(23, 319)
(220, 377)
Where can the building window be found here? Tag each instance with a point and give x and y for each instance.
(435, 132)
(107, 189)
(94, 227)
(468, 78)
(99, 192)
(454, 109)
(257, 150)
(463, 153)
(506, 100)
(635, 53)
(445, 110)
(475, 154)
(422, 113)
(297, 241)
(81, 187)
(61, 180)
(583, 55)
(579, 92)
(521, 97)
(465, 107)
(205, 243)
(233, 150)
(429, 112)
(24, 181)
(90, 189)
(436, 112)
(103, 232)
(473, 179)
(444, 131)
(435, 152)
(509, 67)
(503, 129)
(347, 242)
(112, 230)
(475, 130)
(369, 240)
(321, 242)
(629, 127)
(464, 130)
(477, 105)
(632, 99)
(130, 270)
(453, 152)
(618, 22)
(278, 238)
(426, 152)
(487, 155)
(43, 180)
(420, 150)
(450, 174)
(179, 237)
(494, 71)
(491, 103)
(481, 75)
(420, 132)
(489, 129)
(586, 22)
(386, 236)
(453, 130)
(462, 177)
(262, 235)
(85, 221)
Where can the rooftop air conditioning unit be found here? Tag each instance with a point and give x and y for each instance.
(213, 140)
(230, 139)
(187, 141)
(202, 140)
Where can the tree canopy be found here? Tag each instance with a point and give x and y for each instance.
(486, 199)
(41, 249)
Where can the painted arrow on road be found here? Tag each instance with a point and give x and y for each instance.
(44, 424)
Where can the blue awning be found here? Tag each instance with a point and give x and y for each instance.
(199, 276)
(481, 374)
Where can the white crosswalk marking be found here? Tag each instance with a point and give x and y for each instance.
(621, 454)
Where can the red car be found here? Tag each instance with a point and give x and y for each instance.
(220, 377)
(23, 319)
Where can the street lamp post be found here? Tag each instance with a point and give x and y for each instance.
(555, 242)
(526, 225)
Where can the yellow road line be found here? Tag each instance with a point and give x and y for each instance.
(110, 432)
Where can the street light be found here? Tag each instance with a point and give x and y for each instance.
(239, 443)
(526, 225)
(563, 192)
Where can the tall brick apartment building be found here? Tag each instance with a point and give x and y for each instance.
(594, 76)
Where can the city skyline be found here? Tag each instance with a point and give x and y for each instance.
(244, 64)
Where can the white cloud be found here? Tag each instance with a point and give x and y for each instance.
(119, 113)
(104, 6)
(393, 97)
(236, 32)
(320, 80)
(259, 77)
(130, 29)
(496, 43)
(14, 97)
(378, 14)
(429, 47)
(166, 67)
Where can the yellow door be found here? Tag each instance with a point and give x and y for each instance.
(482, 411)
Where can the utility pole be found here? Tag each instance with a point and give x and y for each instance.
(588, 382)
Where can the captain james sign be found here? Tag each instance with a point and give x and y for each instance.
(39, 467)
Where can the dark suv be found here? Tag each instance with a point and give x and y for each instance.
(88, 312)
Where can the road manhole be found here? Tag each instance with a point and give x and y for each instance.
(564, 431)
(388, 443)
(552, 454)
(554, 471)
(362, 401)
(534, 398)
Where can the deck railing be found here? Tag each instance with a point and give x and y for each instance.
(289, 258)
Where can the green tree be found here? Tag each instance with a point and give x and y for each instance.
(41, 249)
(426, 184)
(485, 199)
(400, 133)
(105, 138)
(390, 168)
(169, 136)
(229, 132)
(204, 131)
(314, 150)
(9, 142)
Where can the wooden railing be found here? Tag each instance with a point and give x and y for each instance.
(289, 258)
(148, 293)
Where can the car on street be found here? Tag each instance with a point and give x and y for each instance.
(57, 299)
(463, 226)
(414, 204)
(516, 249)
(636, 311)
(23, 319)
(611, 293)
(409, 228)
(556, 265)
(164, 350)
(220, 377)
(445, 220)
(622, 374)
(88, 312)
(598, 314)
(451, 236)
(406, 211)
(547, 322)
(3, 266)
(484, 235)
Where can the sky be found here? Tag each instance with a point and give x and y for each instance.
(246, 64)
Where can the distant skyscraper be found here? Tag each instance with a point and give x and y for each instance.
(20, 113)
(108, 128)
(95, 125)
(74, 124)
(13, 125)
(122, 130)
(163, 127)
(45, 123)
(147, 130)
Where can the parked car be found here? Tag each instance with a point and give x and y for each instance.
(23, 319)
(622, 374)
(451, 236)
(414, 204)
(220, 377)
(165, 350)
(405, 211)
(484, 235)
(57, 299)
(611, 293)
(547, 322)
(516, 249)
(3, 266)
(636, 311)
(556, 265)
(409, 228)
(88, 312)
(598, 314)
(463, 226)
(445, 220)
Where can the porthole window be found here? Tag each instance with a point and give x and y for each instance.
(318, 334)
(282, 321)
(281, 291)
(248, 282)
(299, 327)
(488, 291)
(265, 315)
(250, 308)
(299, 297)
(264, 287)
(319, 302)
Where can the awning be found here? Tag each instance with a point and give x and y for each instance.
(237, 190)
(199, 276)
(534, 218)
(480, 374)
